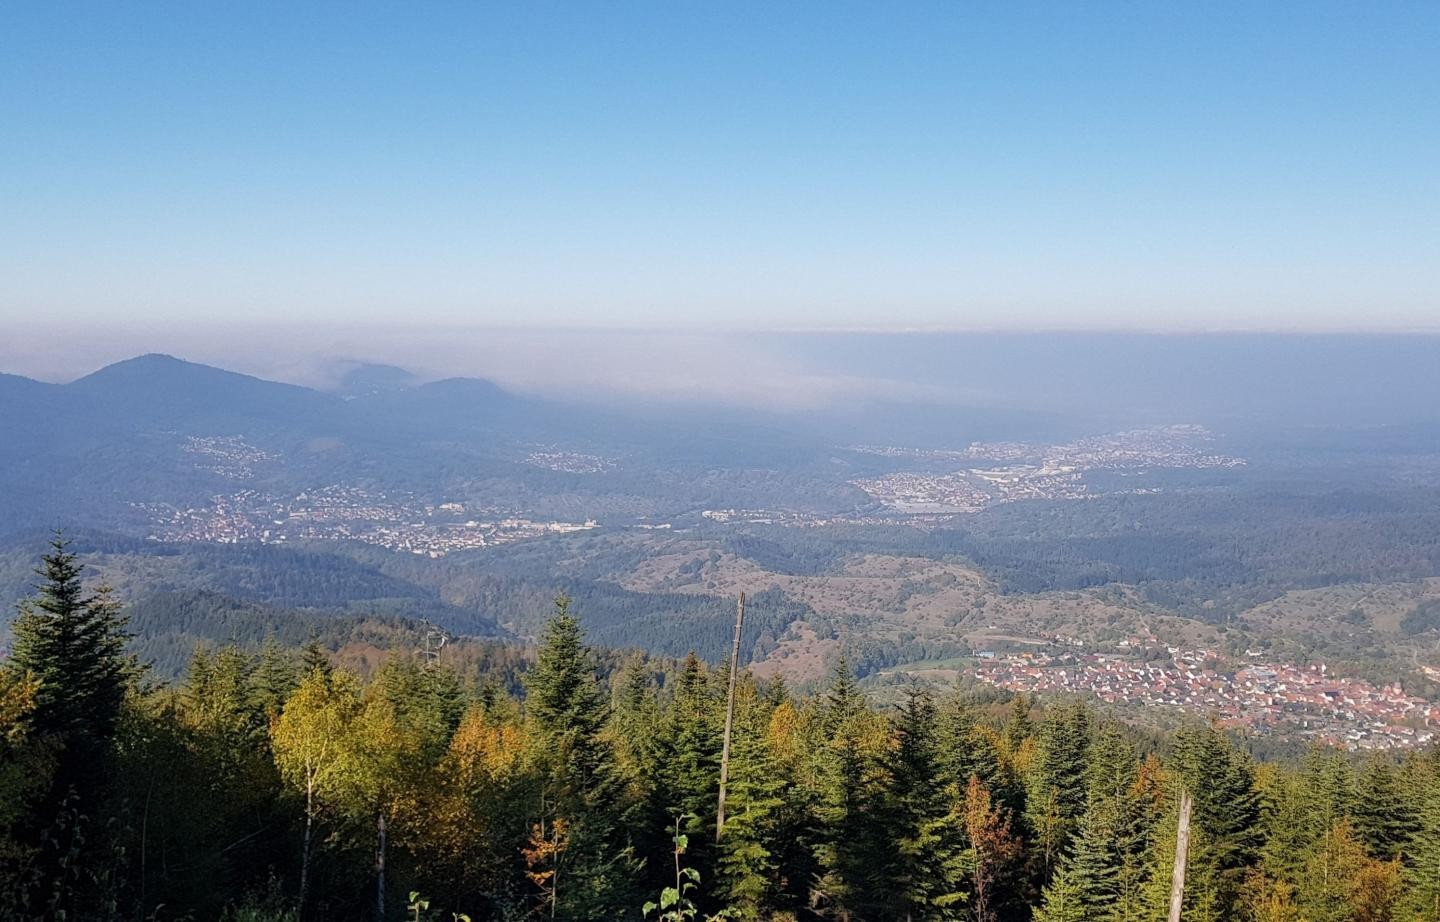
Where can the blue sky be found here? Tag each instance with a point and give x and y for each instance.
(724, 165)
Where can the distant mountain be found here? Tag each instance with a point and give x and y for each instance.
(365, 380)
(164, 390)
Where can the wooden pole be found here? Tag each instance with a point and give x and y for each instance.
(1182, 851)
(729, 717)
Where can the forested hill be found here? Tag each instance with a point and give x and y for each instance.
(290, 783)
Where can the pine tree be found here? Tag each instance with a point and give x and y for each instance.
(691, 771)
(314, 658)
(1422, 869)
(1019, 728)
(275, 677)
(584, 787)
(749, 847)
(1056, 790)
(1385, 817)
(1063, 901)
(73, 643)
(924, 836)
(1227, 812)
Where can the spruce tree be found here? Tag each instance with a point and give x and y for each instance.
(275, 677)
(1422, 869)
(314, 658)
(1227, 810)
(584, 788)
(72, 642)
(1055, 795)
(1063, 901)
(1385, 816)
(917, 809)
(853, 844)
(1018, 728)
(691, 768)
(964, 752)
(750, 847)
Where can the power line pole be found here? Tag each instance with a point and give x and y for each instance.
(729, 717)
(1182, 852)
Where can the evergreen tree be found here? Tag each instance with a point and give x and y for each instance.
(691, 768)
(853, 843)
(1221, 780)
(1056, 790)
(583, 790)
(749, 846)
(924, 833)
(843, 700)
(275, 677)
(314, 658)
(1386, 818)
(965, 752)
(1063, 901)
(1422, 869)
(1018, 728)
(73, 643)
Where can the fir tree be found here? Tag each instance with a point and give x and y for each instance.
(965, 753)
(1385, 816)
(314, 658)
(275, 677)
(73, 643)
(923, 837)
(692, 756)
(1018, 728)
(749, 847)
(583, 789)
(1056, 790)
(1227, 810)
(1422, 870)
(1063, 901)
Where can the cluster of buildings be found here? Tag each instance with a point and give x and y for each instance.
(1031, 471)
(226, 455)
(769, 517)
(972, 490)
(1306, 702)
(345, 513)
(569, 462)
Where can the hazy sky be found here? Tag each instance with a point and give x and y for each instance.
(723, 165)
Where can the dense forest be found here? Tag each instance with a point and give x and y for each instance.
(581, 784)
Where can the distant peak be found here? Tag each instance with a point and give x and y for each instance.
(365, 378)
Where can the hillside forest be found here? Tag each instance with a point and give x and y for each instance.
(582, 784)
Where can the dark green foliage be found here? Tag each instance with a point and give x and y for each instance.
(926, 835)
(1423, 617)
(750, 849)
(1056, 790)
(1386, 815)
(1227, 806)
(73, 642)
(835, 810)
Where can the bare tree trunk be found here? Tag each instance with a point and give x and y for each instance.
(1182, 852)
(305, 849)
(380, 868)
(729, 717)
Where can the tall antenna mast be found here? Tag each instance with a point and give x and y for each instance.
(729, 717)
